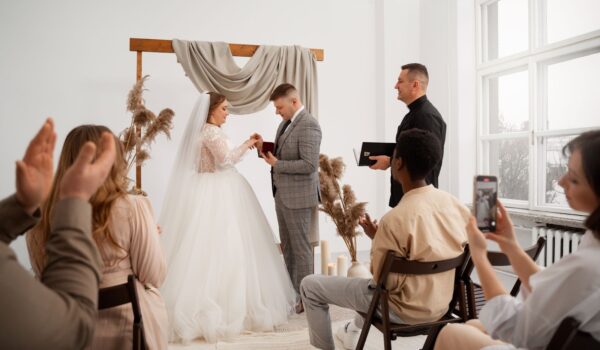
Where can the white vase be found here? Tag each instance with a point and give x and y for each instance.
(358, 269)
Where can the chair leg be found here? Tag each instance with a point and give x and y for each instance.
(368, 320)
(432, 337)
(385, 310)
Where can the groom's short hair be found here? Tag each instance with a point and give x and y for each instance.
(283, 90)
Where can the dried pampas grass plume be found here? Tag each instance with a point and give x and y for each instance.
(340, 203)
(143, 122)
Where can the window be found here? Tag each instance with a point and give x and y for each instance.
(538, 72)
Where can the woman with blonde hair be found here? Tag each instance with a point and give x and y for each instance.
(127, 237)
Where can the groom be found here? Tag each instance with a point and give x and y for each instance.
(295, 181)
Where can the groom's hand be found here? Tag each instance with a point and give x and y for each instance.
(269, 158)
(259, 140)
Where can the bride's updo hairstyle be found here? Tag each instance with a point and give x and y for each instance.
(215, 101)
(588, 144)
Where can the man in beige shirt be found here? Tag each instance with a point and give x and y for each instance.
(58, 312)
(427, 225)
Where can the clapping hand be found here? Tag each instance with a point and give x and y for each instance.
(89, 170)
(369, 226)
(35, 171)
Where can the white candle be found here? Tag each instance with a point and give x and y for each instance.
(342, 266)
(331, 269)
(324, 256)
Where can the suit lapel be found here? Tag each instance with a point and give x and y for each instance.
(289, 130)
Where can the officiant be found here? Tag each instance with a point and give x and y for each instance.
(412, 86)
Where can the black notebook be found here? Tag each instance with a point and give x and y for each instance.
(369, 149)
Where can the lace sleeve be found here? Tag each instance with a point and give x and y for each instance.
(218, 145)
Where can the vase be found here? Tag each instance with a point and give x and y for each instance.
(358, 269)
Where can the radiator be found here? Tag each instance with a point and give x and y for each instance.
(559, 242)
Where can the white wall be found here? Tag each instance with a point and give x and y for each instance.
(70, 60)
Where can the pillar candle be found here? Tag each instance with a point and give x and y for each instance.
(324, 256)
(342, 265)
(331, 271)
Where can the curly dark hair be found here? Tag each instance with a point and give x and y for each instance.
(420, 151)
(588, 144)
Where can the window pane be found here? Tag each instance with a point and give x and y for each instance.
(566, 19)
(509, 103)
(509, 159)
(556, 166)
(574, 93)
(507, 22)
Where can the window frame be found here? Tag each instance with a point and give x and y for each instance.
(535, 60)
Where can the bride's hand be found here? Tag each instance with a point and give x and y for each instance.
(259, 139)
(251, 143)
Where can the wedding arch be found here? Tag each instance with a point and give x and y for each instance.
(210, 66)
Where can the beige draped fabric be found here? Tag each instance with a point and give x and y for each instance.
(211, 67)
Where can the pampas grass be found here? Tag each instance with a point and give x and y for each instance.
(143, 122)
(340, 203)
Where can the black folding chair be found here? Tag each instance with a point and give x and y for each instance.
(475, 293)
(123, 294)
(569, 337)
(397, 264)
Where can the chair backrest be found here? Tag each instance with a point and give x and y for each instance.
(500, 259)
(569, 337)
(120, 295)
(397, 264)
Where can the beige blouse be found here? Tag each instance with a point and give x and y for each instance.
(136, 231)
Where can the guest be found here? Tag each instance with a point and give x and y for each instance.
(427, 225)
(126, 235)
(570, 287)
(59, 310)
(412, 86)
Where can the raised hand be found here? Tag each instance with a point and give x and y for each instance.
(369, 226)
(251, 142)
(260, 141)
(477, 242)
(84, 177)
(505, 231)
(382, 162)
(35, 171)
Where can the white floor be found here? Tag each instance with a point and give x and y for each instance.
(294, 336)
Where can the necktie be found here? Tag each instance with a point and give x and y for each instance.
(287, 123)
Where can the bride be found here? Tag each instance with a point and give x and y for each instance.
(225, 273)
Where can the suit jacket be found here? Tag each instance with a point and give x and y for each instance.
(58, 312)
(422, 115)
(296, 173)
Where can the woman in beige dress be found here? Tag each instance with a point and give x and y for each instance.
(127, 237)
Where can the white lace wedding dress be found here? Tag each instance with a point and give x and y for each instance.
(225, 272)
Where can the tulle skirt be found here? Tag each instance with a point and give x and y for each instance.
(225, 272)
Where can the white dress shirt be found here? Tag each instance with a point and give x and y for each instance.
(570, 287)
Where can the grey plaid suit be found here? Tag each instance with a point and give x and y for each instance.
(296, 190)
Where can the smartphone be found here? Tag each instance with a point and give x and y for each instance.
(485, 194)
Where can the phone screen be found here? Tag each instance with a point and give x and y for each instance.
(485, 193)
